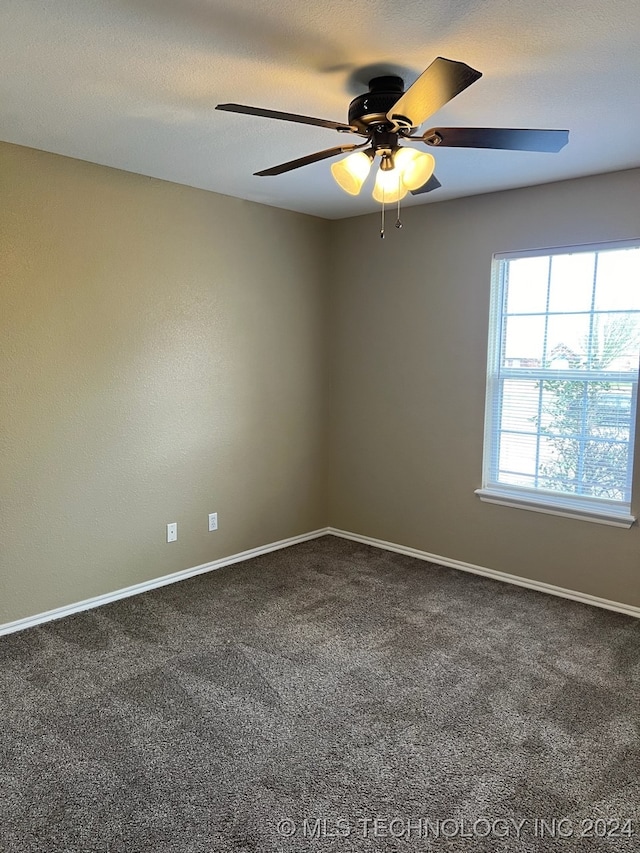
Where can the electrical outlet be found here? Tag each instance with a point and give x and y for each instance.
(213, 521)
(172, 531)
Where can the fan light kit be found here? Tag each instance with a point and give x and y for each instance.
(387, 115)
(400, 171)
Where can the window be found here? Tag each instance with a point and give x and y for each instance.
(563, 380)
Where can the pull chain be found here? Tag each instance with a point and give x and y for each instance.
(398, 222)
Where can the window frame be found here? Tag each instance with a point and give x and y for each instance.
(600, 510)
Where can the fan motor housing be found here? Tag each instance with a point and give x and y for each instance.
(372, 107)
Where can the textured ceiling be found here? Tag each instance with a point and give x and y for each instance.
(133, 84)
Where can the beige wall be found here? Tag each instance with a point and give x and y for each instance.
(161, 357)
(408, 361)
(164, 354)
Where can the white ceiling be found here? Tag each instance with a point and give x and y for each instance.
(133, 84)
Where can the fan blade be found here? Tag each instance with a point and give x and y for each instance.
(310, 158)
(258, 111)
(507, 138)
(435, 87)
(432, 184)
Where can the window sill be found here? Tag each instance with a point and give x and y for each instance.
(566, 508)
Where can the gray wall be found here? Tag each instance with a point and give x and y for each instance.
(408, 366)
(162, 356)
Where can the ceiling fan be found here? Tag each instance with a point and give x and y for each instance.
(386, 115)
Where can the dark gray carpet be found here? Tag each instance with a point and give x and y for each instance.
(330, 683)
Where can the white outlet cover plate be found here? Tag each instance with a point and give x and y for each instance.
(213, 521)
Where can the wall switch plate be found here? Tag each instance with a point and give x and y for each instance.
(172, 531)
(213, 521)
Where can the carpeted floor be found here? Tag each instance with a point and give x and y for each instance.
(290, 702)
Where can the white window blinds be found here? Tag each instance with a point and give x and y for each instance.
(563, 378)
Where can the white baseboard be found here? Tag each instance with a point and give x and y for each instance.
(539, 586)
(99, 600)
(107, 598)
